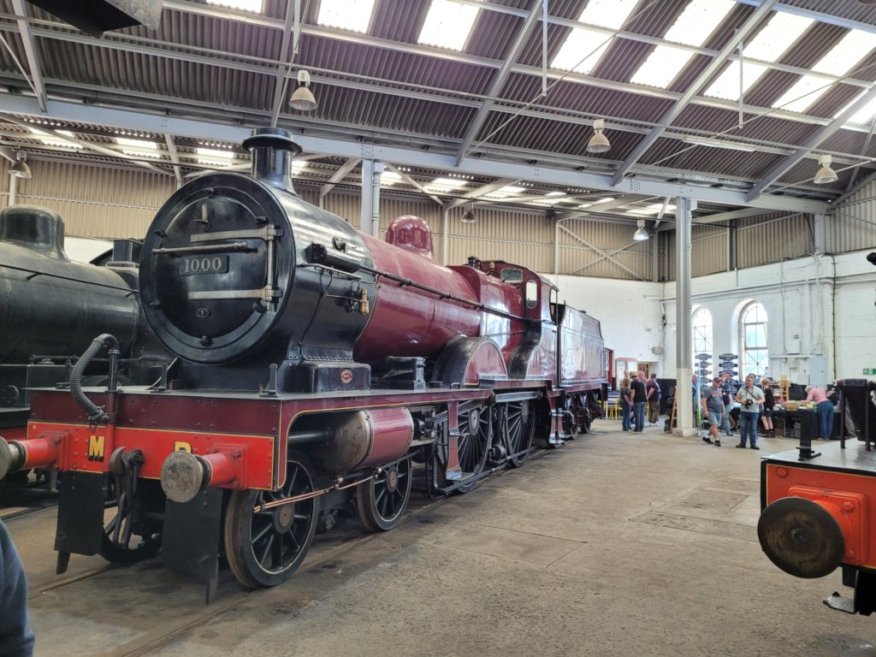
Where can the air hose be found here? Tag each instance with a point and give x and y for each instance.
(96, 414)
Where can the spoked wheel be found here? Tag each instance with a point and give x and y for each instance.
(129, 535)
(517, 428)
(382, 501)
(475, 436)
(264, 546)
(581, 416)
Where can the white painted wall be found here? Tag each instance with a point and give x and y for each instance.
(630, 313)
(85, 249)
(801, 297)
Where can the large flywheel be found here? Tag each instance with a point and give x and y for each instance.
(266, 535)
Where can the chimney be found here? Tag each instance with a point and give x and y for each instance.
(272, 150)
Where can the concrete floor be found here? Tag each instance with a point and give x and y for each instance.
(619, 544)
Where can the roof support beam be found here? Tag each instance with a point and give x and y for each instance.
(174, 157)
(781, 167)
(33, 60)
(819, 16)
(339, 175)
(97, 148)
(293, 18)
(8, 154)
(414, 183)
(864, 149)
(742, 33)
(605, 254)
(347, 147)
(854, 190)
(722, 217)
(501, 78)
(484, 190)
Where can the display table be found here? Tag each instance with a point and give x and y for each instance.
(801, 424)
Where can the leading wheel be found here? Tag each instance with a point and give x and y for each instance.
(129, 535)
(381, 501)
(516, 428)
(264, 546)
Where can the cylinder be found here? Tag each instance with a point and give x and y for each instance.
(364, 438)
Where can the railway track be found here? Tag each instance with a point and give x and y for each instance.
(229, 600)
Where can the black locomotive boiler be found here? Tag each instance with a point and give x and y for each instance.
(53, 307)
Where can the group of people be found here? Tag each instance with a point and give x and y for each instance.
(639, 393)
(755, 403)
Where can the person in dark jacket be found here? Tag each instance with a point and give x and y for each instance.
(652, 392)
(637, 386)
(769, 402)
(16, 637)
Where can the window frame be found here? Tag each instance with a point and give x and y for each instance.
(760, 365)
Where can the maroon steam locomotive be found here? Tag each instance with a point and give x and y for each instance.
(317, 368)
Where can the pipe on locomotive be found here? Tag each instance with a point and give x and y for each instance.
(340, 443)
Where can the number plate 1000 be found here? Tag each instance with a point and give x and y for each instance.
(214, 264)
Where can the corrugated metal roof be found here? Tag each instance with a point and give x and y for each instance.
(385, 85)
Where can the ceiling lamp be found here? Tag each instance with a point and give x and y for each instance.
(598, 142)
(20, 169)
(641, 234)
(825, 174)
(468, 217)
(302, 98)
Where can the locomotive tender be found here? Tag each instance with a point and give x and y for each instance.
(318, 369)
(53, 307)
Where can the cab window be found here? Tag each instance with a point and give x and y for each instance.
(511, 276)
(531, 293)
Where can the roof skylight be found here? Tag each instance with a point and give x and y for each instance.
(581, 51)
(862, 116)
(802, 94)
(138, 147)
(727, 84)
(607, 13)
(389, 178)
(445, 184)
(506, 191)
(693, 27)
(448, 24)
(49, 140)
(851, 49)
(214, 157)
(583, 47)
(605, 199)
(353, 15)
(257, 6)
(661, 67)
(779, 34)
(770, 44)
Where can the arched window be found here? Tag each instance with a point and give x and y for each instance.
(701, 332)
(755, 357)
